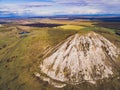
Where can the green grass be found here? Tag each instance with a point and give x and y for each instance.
(20, 59)
(71, 27)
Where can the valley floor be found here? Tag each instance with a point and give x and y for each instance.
(24, 44)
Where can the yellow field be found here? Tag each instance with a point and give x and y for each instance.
(71, 27)
(73, 22)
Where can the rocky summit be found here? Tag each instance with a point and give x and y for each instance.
(81, 58)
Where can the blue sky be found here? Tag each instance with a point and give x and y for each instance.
(57, 7)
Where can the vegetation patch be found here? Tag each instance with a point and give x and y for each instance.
(71, 27)
(20, 57)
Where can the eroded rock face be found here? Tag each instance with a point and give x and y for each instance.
(81, 58)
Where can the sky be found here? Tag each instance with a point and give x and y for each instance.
(57, 7)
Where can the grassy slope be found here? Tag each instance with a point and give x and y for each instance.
(20, 57)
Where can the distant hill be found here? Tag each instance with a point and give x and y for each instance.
(94, 17)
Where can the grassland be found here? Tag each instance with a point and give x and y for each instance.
(21, 53)
(71, 27)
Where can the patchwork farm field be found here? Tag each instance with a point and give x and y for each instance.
(25, 43)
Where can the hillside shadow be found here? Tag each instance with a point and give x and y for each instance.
(42, 25)
(3, 22)
(110, 25)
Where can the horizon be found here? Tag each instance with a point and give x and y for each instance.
(29, 8)
(87, 16)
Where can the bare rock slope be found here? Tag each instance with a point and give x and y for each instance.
(81, 58)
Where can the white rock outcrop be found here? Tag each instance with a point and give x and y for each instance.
(81, 58)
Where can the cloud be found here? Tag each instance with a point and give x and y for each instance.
(23, 8)
(53, 7)
(37, 4)
(91, 6)
(87, 2)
